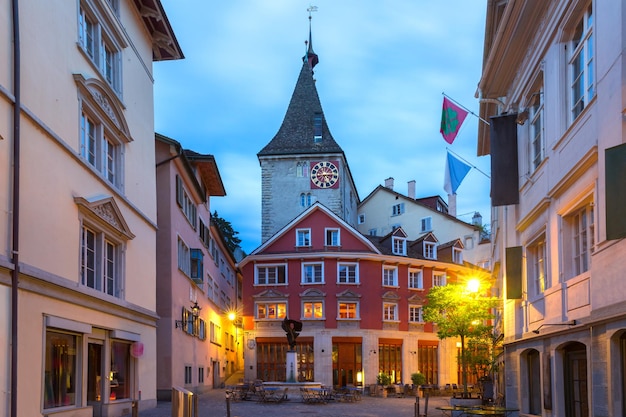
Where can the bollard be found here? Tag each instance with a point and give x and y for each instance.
(227, 405)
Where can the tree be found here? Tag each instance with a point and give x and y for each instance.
(228, 233)
(460, 312)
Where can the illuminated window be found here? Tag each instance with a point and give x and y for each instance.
(348, 310)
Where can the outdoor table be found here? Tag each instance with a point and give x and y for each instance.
(483, 412)
(502, 410)
(448, 410)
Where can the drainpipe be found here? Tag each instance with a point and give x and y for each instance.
(16, 204)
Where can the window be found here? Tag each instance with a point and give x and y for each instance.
(457, 255)
(303, 237)
(215, 334)
(390, 311)
(197, 269)
(205, 235)
(120, 376)
(533, 372)
(201, 329)
(390, 276)
(302, 170)
(415, 314)
(305, 200)
(271, 311)
(103, 231)
(184, 258)
(313, 310)
(185, 202)
(312, 273)
(372, 232)
(581, 47)
(578, 234)
(536, 258)
(347, 273)
(332, 237)
(100, 150)
(100, 262)
(317, 127)
(535, 115)
(430, 250)
(416, 280)
(187, 375)
(348, 310)
(201, 375)
(101, 45)
(397, 209)
(271, 275)
(361, 218)
(439, 279)
(398, 245)
(60, 376)
(426, 224)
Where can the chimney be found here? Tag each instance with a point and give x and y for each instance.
(389, 183)
(411, 192)
(452, 205)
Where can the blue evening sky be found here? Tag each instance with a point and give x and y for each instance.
(383, 68)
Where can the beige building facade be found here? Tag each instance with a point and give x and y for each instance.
(78, 205)
(553, 89)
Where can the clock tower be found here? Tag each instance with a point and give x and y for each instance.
(303, 164)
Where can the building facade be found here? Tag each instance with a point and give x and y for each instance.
(198, 285)
(78, 221)
(359, 299)
(552, 88)
(385, 209)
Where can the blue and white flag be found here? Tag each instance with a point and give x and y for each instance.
(456, 170)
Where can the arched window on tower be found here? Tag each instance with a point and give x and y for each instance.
(305, 199)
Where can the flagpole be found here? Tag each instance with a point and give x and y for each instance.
(466, 109)
(467, 162)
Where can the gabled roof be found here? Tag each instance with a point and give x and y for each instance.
(422, 202)
(315, 207)
(206, 165)
(296, 134)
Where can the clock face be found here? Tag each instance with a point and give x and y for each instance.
(324, 174)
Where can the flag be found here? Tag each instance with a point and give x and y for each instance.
(452, 117)
(456, 170)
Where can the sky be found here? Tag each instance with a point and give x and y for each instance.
(383, 68)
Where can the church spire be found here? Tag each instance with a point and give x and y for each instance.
(310, 57)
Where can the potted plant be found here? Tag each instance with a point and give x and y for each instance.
(383, 380)
(418, 379)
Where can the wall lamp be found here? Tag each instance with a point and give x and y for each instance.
(569, 323)
(195, 311)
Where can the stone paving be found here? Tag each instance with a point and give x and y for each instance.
(213, 404)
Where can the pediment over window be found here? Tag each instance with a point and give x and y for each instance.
(312, 293)
(348, 294)
(416, 299)
(390, 296)
(106, 213)
(106, 103)
(271, 293)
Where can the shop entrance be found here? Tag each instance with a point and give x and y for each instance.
(347, 362)
(94, 377)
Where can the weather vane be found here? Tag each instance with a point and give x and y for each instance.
(310, 10)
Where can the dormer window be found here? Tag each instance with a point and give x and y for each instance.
(398, 245)
(317, 127)
(430, 250)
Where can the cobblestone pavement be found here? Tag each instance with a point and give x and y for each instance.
(213, 404)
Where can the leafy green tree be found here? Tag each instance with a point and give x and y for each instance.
(460, 312)
(228, 233)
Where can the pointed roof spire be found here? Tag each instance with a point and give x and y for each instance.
(310, 57)
(304, 128)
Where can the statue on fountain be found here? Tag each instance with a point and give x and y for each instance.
(292, 328)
